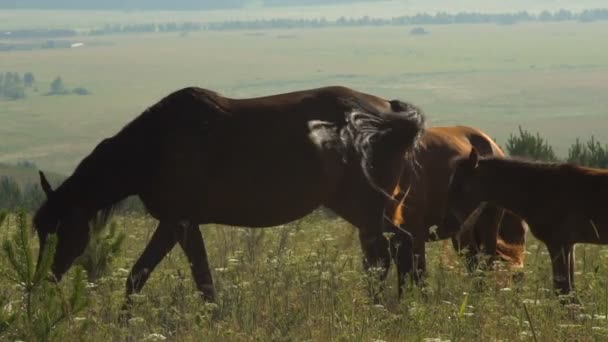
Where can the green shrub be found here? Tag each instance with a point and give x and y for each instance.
(530, 146)
(43, 304)
(591, 154)
(81, 91)
(100, 251)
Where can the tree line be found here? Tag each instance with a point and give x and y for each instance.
(440, 18)
(13, 86)
(160, 4)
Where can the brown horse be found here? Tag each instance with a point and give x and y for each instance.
(562, 203)
(496, 233)
(196, 157)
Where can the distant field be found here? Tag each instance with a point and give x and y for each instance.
(546, 77)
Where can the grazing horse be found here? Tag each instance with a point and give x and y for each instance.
(563, 204)
(196, 157)
(496, 233)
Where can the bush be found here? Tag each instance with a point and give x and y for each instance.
(43, 304)
(14, 93)
(81, 91)
(10, 193)
(57, 87)
(100, 251)
(591, 154)
(418, 31)
(28, 79)
(530, 146)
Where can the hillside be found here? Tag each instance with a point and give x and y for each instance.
(26, 174)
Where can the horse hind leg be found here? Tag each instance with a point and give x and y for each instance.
(561, 255)
(193, 245)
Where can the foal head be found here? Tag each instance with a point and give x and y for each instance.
(69, 221)
(465, 191)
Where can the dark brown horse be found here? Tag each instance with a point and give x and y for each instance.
(496, 233)
(196, 157)
(563, 204)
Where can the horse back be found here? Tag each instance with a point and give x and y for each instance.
(334, 99)
(460, 139)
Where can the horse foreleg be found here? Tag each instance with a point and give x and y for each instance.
(560, 262)
(375, 257)
(160, 244)
(409, 259)
(419, 259)
(191, 241)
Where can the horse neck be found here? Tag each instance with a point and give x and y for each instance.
(89, 195)
(99, 181)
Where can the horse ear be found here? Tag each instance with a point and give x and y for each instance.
(474, 158)
(44, 183)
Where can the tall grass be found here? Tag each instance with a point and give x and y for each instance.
(304, 281)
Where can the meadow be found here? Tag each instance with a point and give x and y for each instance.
(304, 281)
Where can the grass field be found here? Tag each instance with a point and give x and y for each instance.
(545, 77)
(303, 282)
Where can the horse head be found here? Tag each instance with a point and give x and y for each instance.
(68, 221)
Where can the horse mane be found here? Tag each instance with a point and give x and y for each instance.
(365, 128)
(520, 163)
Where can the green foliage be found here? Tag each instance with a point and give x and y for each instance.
(13, 196)
(81, 91)
(57, 87)
(591, 154)
(11, 86)
(101, 250)
(28, 79)
(530, 146)
(44, 304)
(10, 193)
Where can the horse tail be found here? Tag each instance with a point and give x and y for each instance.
(511, 239)
(510, 253)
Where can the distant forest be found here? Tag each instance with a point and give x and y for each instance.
(157, 4)
(278, 23)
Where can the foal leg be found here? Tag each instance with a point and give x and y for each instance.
(486, 234)
(191, 240)
(560, 255)
(161, 243)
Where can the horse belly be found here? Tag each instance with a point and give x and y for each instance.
(264, 204)
(269, 188)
